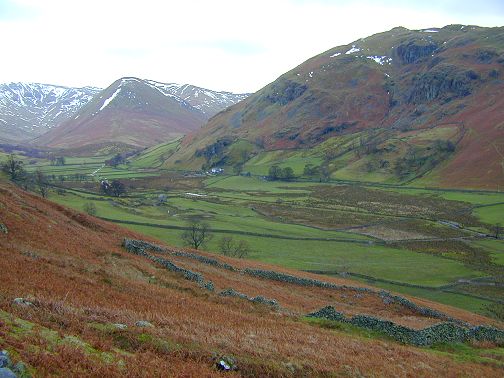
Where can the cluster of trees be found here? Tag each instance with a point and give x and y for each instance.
(420, 160)
(57, 160)
(36, 181)
(317, 171)
(197, 234)
(214, 153)
(114, 188)
(116, 160)
(277, 173)
(229, 247)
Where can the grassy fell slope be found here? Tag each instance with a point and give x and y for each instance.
(374, 89)
(81, 282)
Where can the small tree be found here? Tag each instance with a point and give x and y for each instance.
(13, 168)
(287, 173)
(311, 170)
(229, 247)
(197, 233)
(117, 188)
(41, 183)
(497, 230)
(90, 208)
(274, 172)
(116, 160)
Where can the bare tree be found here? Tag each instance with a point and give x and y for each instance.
(229, 247)
(196, 234)
(90, 208)
(497, 230)
(41, 183)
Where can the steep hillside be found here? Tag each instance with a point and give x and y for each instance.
(392, 107)
(138, 113)
(74, 302)
(28, 110)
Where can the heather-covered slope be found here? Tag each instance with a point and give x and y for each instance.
(356, 102)
(84, 294)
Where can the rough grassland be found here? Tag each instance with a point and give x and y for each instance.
(81, 281)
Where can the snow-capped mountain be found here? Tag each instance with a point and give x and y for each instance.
(207, 101)
(138, 113)
(31, 109)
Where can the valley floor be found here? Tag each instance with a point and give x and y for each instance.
(375, 233)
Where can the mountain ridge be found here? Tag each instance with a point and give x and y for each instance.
(29, 110)
(366, 96)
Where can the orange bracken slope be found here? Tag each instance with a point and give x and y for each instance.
(81, 281)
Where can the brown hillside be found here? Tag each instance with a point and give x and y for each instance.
(81, 281)
(130, 111)
(373, 90)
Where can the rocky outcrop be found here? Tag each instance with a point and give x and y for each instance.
(143, 324)
(257, 299)
(285, 92)
(413, 52)
(437, 333)
(10, 370)
(385, 295)
(443, 80)
(204, 260)
(139, 247)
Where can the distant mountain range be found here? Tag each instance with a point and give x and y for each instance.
(29, 109)
(398, 106)
(132, 111)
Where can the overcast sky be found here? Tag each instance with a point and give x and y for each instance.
(233, 45)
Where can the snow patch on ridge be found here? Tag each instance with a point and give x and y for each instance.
(108, 100)
(353, 50)
(381, 60)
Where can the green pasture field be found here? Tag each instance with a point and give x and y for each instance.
(377, 261)
(491, 214)
(231, 204)
(465, 302)
(496, 249)
(155, 156)
(235, 216)
(260, 164)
